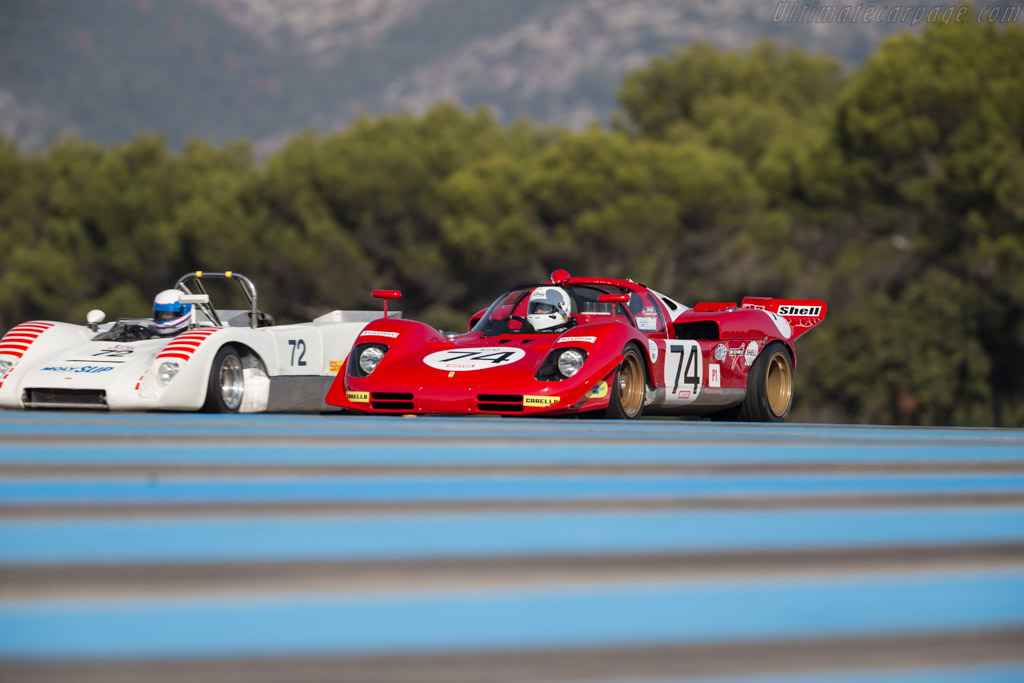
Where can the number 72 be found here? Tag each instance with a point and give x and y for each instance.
(298, 346)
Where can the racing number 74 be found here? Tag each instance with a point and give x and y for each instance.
(691, 375)
(495, 357)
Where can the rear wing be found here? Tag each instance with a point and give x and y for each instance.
(801, 314)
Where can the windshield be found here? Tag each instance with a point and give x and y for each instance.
(129, 329)
(535, 310)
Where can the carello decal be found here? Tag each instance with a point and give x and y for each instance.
(540, 400)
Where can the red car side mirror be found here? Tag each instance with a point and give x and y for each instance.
(386, 294)
(476, 318)
(560, 277)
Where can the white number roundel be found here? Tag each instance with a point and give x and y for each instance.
(479, 358)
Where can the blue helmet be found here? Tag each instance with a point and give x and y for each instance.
(169, 314)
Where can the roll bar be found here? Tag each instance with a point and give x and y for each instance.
(195, 279)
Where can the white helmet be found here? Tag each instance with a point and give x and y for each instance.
(548, 307)
(169, 314)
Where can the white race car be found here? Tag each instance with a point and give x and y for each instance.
(225, 361)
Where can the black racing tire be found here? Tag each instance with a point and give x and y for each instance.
(628, 388)
(728, 415)
(226, 388)
(769, 386)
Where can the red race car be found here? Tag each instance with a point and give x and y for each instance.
(584, 345)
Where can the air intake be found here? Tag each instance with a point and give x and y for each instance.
(391, 400)
(95, 399)
(500, 403)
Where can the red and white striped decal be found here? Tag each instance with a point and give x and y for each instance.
(142, 377)
(185, 344)
(16, 342)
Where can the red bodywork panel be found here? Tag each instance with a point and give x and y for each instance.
(424, 372)
(801, 314)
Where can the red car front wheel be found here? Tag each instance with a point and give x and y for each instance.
(627, 391)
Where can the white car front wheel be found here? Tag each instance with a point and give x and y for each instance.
(227, 382)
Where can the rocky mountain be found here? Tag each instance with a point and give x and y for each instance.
(263, 69)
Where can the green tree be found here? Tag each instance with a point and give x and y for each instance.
(383, 180)
(932, 132)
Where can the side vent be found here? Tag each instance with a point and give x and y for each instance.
(705, 330)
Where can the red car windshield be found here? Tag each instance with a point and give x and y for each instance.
(510, 313)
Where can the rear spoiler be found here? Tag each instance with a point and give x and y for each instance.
(801, 314)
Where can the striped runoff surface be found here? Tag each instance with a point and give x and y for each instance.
(307, 548)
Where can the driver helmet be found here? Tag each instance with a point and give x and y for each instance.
(548, 307)
(169, 314)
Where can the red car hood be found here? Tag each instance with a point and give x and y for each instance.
(474, 359)
(459, 375)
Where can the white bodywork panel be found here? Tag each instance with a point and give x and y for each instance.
(60, 365)
(684, 370)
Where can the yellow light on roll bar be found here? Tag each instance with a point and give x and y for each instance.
(199, 273)
(227, 273)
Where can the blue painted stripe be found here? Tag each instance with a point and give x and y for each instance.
(498, 454)
(512, 619)
(489, 488)
(1012, 672)
(16, 418)
(623, 442)
(507, 534)
(128, 424)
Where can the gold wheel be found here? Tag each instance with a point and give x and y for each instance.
(631, 385)
(778, 386)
